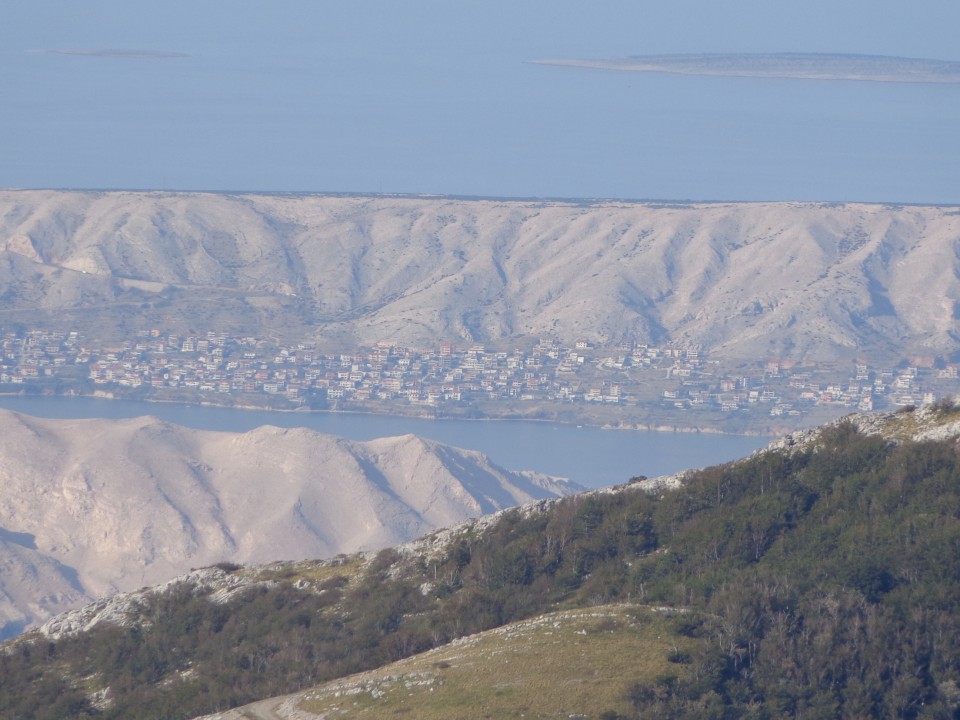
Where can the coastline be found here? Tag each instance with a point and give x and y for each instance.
(579, 420)
(585, 453)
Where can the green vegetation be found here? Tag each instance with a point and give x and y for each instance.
(561, 664)
(819, 582)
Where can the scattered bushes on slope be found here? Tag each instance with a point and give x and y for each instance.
(819, 583)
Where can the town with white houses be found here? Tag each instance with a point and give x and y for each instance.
(219, 368)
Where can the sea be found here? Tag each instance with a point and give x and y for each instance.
(443, 98)
(590, 456)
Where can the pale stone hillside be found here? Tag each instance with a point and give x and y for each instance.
(789, 280)
(90, 507)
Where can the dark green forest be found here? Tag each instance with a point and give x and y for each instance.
(821, 582)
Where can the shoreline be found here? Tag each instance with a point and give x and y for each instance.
(583, 422)
(586, 454)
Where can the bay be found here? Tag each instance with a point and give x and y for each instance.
(591, 456)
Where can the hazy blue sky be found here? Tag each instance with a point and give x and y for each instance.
(436, 97)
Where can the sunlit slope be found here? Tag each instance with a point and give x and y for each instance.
(574, 663)
(796, 280)
(89, 507)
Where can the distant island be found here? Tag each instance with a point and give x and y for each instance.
(807, 66)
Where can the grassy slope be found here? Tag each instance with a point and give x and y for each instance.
(559, 665)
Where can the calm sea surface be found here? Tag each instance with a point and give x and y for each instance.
(439, 97)
(590, 456)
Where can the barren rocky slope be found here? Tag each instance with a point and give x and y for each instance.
(90, 507)
(789, 280)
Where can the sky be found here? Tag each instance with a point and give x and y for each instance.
(439, 97)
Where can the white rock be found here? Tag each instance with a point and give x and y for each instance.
(92, 507)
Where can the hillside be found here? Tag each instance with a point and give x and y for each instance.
(864, 280)
(92, 507)
(817, 578)
(561, 664)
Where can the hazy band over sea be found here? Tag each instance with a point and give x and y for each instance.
(798, 66)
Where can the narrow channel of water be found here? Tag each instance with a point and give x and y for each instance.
(590, 456)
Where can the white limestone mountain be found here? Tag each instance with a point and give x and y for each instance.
(91, 507)
(803, 281)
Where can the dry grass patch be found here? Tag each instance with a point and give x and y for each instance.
(312, 571)
(569, 663)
